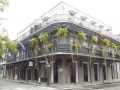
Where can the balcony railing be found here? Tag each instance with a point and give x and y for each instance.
(67, 18)
(59, 49)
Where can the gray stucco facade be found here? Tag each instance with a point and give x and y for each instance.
(25, 65)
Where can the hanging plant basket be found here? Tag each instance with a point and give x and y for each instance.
(101, 52)
(118, 54)
(94, 39)
(43, 37)
(101, 32)
(62, 32)
(76, 44)
(34, 41)
(81, 36)
(105, 42)
(113, 46)
(49, 46)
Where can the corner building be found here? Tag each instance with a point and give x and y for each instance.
(26, 65)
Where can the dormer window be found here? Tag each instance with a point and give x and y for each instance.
(83, 18)
(72, 12)
(108, 30)
(93, 22)
(101, 26)
(45, 18)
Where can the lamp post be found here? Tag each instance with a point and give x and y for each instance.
(47, 67)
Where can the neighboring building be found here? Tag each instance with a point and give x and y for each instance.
(3, 68)
(25, 65)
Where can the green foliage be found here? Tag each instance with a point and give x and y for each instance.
(118, 47)
(94, 39)
(105, 42)
(101, 33)
(3, 3)
(62, 32)
(81, 36)
(34, 41)
(6, 43)
(49, 46)
(118, 39)
(43, 37)
(12, 46)
(113, 45)
(1, 46)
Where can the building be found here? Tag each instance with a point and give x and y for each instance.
(65, 64)
(3, 68)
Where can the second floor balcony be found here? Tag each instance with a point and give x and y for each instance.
(62, 49)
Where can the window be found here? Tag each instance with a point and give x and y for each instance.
(94, 46)
(85, 43)
(43, 70)
(71, 40)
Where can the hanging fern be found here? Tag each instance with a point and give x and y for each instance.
(118, 51)
(94, 39)
(113, 45)
(105, 42)
(34, 41)
(62, 32)
(43, 37)
(101, 32)
(81, 36)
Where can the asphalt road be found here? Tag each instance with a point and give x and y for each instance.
(8, 85)
(112, 86)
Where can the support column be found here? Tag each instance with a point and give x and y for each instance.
(19, 71)
(76, 68)
(39, 71)
(5, 71)
(32, 72)
(13, 71)
(52, 78)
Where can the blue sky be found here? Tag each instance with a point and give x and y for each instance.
(21, 12)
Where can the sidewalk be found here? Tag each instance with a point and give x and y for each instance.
(64, 86)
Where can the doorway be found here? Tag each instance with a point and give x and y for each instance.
(35, 74)
(55, 73)
(54, 44)
(112, 71)
(96, 72)
(72, 72)
(85, 70)
(29, 74)
(104, 72)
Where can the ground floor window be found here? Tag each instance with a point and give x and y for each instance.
(72, 72)
(43, 73)
(55, 72)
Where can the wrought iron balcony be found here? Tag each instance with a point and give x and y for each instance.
(65, 18)
(60, 49)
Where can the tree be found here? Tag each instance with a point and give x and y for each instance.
(3, 4)
(6, 43)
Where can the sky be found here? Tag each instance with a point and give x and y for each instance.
(20, 13)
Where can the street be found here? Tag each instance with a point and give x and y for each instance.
(8, 85)
(112, 86)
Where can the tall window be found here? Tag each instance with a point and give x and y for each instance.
(71, 40)
(43, 70)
